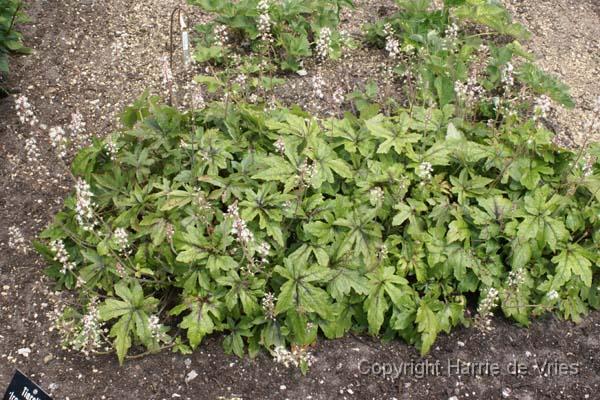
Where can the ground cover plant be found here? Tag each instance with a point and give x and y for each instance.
(284, 32)
(10, 38)
(273, 225)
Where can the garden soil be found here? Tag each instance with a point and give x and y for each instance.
(96, 56)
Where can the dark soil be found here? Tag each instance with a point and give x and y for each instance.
(557, 359)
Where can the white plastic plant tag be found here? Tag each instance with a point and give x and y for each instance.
(185, 40)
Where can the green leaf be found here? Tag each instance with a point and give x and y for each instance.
(543, 83)
(120, 331)
(405, 211)
(198, 324)
(383, 283)
(132, 313)
(3, 63)
(571, 260)
(296, 46)
(376, 306)
(204, 54)
(299, 294)
(344, 281)
(459, 231)
(521, 254)
(113, 308)
(427, 325)
(276, 169)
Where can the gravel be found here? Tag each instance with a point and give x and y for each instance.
(566, 41)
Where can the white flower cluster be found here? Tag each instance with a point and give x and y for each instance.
(264, 21)
(470, 92)
(553, 295)
(376, 195)
(424, 170)
(89, 338)
(483, 59)
(451, 32)
(516, 279)
(323, 44)
(240, 79)
(435, 5)
(387, 73)
(461, 90)
(280, 145)
(154, 324)
(287, 206)
(253, 98)
(392, 45)
(120, 269)
(318, 84)
(225, 97)
(84, 206)
(34, 167)
(263, 252)
(339, 96)
(221, 35)
(307, 172)
(268, 305)
(542, 107)
(25, 111)
(507, 76)
(486, 309)
(296, 357)
(16, 241)
(85, 334)
(156, 330)
(403, 182)
(382, 252)
(198, 101)
(505, 107)
(111, 148)
(271, 104)
(239, 229)
(170, 232)
(121, 240)
(193, 96)
(80, 282)
(61, 255)
(77, 125)
(58, 139)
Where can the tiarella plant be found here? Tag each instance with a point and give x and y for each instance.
(286, 32)
(463, 53)
(10, 38)
(247, 78)
(273, 226)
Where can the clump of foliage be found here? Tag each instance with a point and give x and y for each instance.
(469, 42)
(381, 224)
(10, 39)
(241, 78)
(287, 32)
(273, 226)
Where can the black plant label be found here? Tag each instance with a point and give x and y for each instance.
(23, 388)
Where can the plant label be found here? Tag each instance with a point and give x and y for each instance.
(22, 388)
